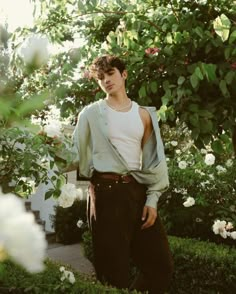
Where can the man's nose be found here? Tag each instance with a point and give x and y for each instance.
(107, 79)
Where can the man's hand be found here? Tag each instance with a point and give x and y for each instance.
(149, 216)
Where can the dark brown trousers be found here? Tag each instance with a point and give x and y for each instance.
(115, 219)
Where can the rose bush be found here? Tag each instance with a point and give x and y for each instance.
(202, 189)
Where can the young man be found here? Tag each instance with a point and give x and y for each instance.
(119, 148)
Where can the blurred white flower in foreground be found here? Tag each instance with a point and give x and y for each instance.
(35, 50)
(53, 128)
(20, 237)
(69, 193)
(189, 202)
(209, 159)
(67, 275)
(182, 164)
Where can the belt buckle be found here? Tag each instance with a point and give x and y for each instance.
(123, 179)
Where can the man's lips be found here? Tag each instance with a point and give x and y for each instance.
(109, 87)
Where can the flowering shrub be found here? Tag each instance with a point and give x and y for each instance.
(26, 159)
(202, 192)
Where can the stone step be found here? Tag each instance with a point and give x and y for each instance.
(42, 223)
(36, 214)
(50, 237)
(28, 205)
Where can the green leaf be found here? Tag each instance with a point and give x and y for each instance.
(162, 112)
(153, 86)
(193, 107)
(195, 133)
(227, 52)
(51, 164)
(193, 119)
(48, 194)
(169, 39)
(199, 31)
(168, 51)
(31, 105)
(232, 37)
(177, 37)
(165, 99)
(223, 88)
(222, 26)
(217, 146)
(205, 113)
(225, 138)
(181, 80)
(166, 85)
(142, 92)
(198, 73)
(194, 80)
(209, 70)
(229, 77)
(206, 126)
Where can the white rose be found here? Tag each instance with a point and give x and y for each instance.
(68, 195)
(233, 235)
(229, 162)
(80, 223)
(229, 226)
(182, 164)
(203, 151)
(67, 275)
(174, 143)
(35, 50)
(71, 278)
(219, 228)
(220, 169)
(20, 236)
(209, 159)
(189, 202)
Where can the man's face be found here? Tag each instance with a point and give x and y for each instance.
(112, 81)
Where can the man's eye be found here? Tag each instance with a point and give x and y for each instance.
(100, 77)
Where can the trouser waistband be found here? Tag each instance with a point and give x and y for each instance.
(118, 178)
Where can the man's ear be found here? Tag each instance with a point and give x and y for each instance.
(125, 74)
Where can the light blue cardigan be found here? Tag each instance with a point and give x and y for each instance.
(94, 151)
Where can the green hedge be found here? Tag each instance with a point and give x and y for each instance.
(200, 267)
(14, 279)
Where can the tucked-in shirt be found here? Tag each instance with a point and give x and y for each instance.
(94, 151)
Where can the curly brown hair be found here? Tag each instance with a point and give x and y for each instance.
(104, 64)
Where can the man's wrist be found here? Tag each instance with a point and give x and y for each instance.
(151, 201)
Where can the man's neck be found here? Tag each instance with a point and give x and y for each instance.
(117, 98)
